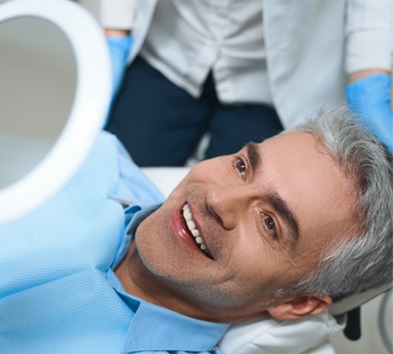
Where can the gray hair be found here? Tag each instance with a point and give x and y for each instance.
(360, 261)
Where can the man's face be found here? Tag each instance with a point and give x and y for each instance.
(261, 219)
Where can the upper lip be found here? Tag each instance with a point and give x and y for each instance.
(203, 245)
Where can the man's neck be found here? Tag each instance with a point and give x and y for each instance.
(138, 281)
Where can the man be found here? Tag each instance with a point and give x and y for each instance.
(284, 227)
(240, 228)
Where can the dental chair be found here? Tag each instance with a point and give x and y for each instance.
(54, 96)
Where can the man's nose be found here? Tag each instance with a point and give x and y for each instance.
(227, 205)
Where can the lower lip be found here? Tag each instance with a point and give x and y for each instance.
(181, 232)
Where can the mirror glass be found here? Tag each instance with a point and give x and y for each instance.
(38, 77)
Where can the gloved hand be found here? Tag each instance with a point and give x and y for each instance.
(369, 98)
(118, 48)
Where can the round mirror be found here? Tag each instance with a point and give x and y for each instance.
(54, 95)
(38, 82)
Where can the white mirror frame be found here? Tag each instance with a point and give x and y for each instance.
(88, 112)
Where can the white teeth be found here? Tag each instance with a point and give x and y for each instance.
(192, 227)
(187, 215)
(186, 207)
(190, 224)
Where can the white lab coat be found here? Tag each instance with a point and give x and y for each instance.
(311, 45)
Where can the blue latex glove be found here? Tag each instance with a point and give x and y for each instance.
(369, 98)
(118, 48)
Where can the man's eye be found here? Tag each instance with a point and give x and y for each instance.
(241, 166)
(270, 225)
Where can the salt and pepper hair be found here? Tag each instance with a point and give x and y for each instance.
(366, 260)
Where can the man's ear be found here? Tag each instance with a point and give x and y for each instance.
(300, 306)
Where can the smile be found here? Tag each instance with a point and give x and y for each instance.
(193, 230)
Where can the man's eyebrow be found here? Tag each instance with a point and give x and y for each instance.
(253, 156)
(288, 216)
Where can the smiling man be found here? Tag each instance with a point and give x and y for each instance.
(240, 229)
(283, 228)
